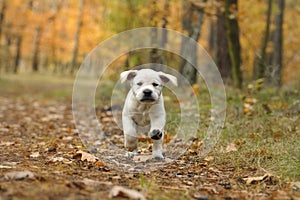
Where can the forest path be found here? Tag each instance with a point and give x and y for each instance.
(38, 139)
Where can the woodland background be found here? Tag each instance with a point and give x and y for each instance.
(254, 43)
(248, 39)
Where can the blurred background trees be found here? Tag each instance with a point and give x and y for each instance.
(248, 39)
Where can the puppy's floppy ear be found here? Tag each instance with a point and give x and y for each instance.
(167, 77)
(128, 75)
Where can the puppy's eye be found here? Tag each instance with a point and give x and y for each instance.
(139, 83)
(155, 84)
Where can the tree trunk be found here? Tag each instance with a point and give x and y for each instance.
(234, 48)
(259, 67)
(222, 53)
(7, 58)
(186, 21)
(77, 36)
(18, 54)
(36, 49)
(2, 15)
(156, 55)
(189, 49)
(212, 37)
(164, 37)
(274, 75)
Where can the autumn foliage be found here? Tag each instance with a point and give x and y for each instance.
(52, 35)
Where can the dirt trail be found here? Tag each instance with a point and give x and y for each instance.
(39, 138)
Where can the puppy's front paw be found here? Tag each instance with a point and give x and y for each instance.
(157, 156)
(156, 134)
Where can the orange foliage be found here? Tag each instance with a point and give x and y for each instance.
(101, 19)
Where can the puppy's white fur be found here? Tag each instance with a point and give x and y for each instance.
(144, 107)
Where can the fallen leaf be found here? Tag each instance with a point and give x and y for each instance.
(18, 175)
(86, 156)
(27, 154)
(116, 177)
(189, 183)
(256, 179)
(8, 165)
(57, 159)
(229, 148)
(295, 186)
(51, 149)
(90, 182)
(107, 119)
(209, 158)
(195, 88)
(68, 138)
(51, 117)
(100, 164)
(5, 167)
(200, 196)
(250, 101)
(7, 143)
(248, 106)
(118, 191)
(142, 158)
(35, 155)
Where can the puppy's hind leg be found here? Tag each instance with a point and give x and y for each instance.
(131, 142)
(130, 136)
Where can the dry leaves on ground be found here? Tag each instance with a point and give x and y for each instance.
(119, 191)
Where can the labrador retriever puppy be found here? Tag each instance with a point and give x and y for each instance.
(144, 107)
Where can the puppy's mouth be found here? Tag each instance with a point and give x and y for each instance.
(147, 99)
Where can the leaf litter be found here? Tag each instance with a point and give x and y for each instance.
(18, 175)
(41, 149)
(119, 191)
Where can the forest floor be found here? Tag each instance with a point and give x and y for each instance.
(42, 156)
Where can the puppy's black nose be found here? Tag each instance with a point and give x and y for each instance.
(147, 92)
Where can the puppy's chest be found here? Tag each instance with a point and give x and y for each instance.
(141, 118)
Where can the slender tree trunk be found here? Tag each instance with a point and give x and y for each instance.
(274, 76)
(164, 37)
(7, 58)
(18, 54)
(52, 57)
(212, 37)
(77, 36)
(232, 33)
(259, 67)
(2, 15)
(36, 49)
(186, 25)
(189, 49)
(154, 56)
(222, 52)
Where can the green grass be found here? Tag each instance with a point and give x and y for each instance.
(41, 86)
(269, 142)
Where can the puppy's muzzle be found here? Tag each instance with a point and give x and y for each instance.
(147, 96)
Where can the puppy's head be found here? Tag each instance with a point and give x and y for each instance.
(147, 84)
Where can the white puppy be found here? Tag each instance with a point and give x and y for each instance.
(144, 107)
